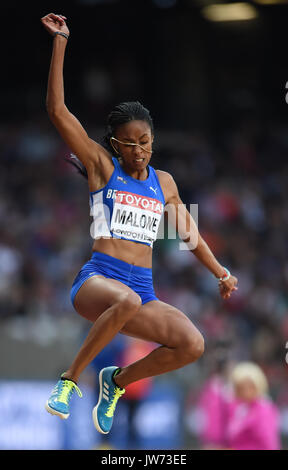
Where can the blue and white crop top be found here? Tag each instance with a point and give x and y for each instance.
(127, 208)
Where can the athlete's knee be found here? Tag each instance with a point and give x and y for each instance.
(129, 303)
(193, 347)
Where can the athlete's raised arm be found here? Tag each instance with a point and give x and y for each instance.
(187, 229)
(68, 126)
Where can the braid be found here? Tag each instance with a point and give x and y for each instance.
(121, 114)
(73, 160)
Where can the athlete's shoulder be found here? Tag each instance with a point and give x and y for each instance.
(168, 185)
(165, 178)
(164, 175)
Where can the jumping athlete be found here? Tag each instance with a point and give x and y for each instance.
(114, 289)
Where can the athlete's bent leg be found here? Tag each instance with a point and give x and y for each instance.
(181, 341)
(110, 304)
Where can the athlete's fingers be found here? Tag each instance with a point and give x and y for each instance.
(225, 295)
(49, 16)
(52, 16)
(226, 288)
(226, 292)
(60, 17)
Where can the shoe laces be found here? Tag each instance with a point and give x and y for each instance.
(111, 408)
(67, 387)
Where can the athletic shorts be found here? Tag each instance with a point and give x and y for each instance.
(137, 278)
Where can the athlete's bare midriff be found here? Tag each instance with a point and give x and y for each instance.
(131, 252)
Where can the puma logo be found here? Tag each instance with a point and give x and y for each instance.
(153, 189)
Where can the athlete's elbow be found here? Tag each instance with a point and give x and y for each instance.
(54, 110)
(191, 240)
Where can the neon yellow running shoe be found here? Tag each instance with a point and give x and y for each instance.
(109, 395)
(58, 403)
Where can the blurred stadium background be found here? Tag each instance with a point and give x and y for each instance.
(215, 86)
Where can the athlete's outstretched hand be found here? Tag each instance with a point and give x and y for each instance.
(227, 287)
(53, 23)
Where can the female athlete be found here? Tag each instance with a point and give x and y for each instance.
(114, 289)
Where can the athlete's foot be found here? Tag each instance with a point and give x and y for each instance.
(109, 395)
(58, 403)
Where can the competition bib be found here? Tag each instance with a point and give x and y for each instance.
(136, 217)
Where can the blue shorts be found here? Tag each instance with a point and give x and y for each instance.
(137, 278)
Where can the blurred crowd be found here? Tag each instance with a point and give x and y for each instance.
(239, 179)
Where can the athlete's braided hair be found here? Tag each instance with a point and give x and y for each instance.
(121, 114)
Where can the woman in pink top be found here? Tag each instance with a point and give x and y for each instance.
(253, 419)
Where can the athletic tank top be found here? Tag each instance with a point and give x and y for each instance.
(127, 208)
